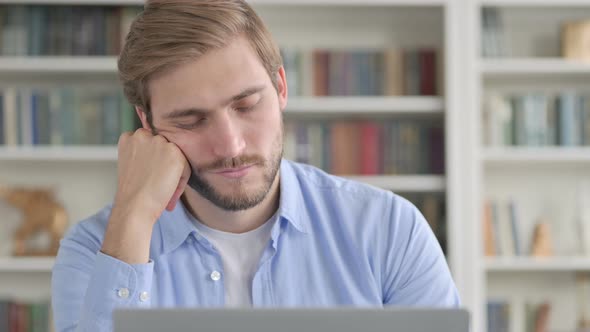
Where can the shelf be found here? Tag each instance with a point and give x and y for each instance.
(253, 2)
(109, 154)
(537, 155)
(536, 3)
(364, 105)
(524, 264)
(404, 183)
(58, 153)
(26, 264)
(58, 64)
(533, 66)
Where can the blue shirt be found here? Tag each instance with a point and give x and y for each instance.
(335, 243)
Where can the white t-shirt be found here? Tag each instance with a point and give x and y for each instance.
(240, 254)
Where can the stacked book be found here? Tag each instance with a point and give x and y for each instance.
(66, 116)
(362, 72)
(16, 316)
(367, 147)
(537, 119)
(63, 30)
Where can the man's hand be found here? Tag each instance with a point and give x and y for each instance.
(152, 175)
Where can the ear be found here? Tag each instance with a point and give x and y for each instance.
(143, 117)
(282, 88)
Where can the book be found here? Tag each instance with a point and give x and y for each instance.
(370, 148)
(345, 148)
(488, 230)
(498, 312)
(393, 69)
(514, 224)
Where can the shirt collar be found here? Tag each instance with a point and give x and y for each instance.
(291, 206)
(177, 225)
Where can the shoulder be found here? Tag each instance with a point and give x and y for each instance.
(335, 190)
(351, 202)
(89, 231)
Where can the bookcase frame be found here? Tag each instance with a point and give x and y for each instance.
(466, 159)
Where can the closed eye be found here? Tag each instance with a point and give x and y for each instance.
(245, 109)
(192, 125)
(248, 107)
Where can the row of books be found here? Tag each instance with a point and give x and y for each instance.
(499, 316)
(537, 119)
(66, 116)
(433, 208)
(16, 316)
(367, 147)
(363, 72)
(64, 30)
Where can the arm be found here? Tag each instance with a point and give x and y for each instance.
(93, 276)
(415, 269)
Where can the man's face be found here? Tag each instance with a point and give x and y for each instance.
(223, 112)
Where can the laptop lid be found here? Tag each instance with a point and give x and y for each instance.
(291, 320)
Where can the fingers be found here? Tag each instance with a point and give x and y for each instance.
(186, 173)
(177, 193)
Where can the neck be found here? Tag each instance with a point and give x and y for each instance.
(233, 221)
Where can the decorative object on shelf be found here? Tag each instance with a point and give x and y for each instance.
(542, 240)
(575, 38)
(42, 215)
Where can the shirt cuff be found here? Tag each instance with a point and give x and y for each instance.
(114, 284)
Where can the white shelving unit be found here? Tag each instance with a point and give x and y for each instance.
(526, 264)
(85, 176)
(533, 66)
(551, 155)
(58, 65)
(405, 183)
(543, 180)
(366, 105)
(26, 264)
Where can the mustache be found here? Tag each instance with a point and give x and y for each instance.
(229, 163)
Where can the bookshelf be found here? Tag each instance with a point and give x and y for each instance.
(523, 264)
(545, 181)
(533, 66)
(302, 25)
(62, 64)
(17, 265)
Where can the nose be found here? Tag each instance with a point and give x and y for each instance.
(226, 138)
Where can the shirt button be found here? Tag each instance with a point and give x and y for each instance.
(144, 296)
(123, 293)
(215, 275)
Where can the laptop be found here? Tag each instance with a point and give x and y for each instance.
(291, 320)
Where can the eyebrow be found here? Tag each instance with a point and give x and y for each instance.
(200, 112)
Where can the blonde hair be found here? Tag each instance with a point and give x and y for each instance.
(171, 32)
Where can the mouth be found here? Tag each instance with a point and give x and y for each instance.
(234, 173)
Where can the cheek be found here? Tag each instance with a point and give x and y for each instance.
(188, 144)
(266, 130)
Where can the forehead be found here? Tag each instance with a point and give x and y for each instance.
(209, 80)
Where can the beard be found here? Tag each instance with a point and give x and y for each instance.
(241, 198)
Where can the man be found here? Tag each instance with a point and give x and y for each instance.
(206, 211)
